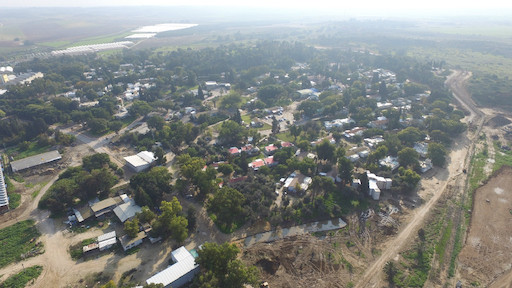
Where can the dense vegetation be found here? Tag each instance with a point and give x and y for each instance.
(78, 184)
(17, 240)
(21, 279)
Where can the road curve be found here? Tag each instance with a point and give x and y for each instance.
(372, 276)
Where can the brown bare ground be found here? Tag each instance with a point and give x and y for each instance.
(487, 253)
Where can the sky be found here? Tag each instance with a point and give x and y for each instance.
(442, 7)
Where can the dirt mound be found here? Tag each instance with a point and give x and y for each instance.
(268, 265)
(498, 121)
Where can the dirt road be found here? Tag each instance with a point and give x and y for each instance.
(459, 158)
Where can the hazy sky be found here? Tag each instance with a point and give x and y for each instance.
(356, 7)
(381, 4)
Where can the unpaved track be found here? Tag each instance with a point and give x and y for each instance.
(373, 274)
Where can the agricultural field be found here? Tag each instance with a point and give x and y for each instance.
(21, 279)
(19, 241)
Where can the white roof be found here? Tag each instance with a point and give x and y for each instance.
(127, 210)
(107, 236)
(172, 273)
(4, 199)
(107, 242)
(141, 159)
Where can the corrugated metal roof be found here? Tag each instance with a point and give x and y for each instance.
(4, 199)
(107, 236)
(185, 264)
(35, 160)
(103, 204)
(107, 243)
(127, 210)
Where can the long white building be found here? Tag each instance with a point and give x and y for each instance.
(4, 199)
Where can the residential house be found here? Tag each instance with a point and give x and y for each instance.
(425, 165)
(129, 243)
(374, 141)
(380, 123)
(421, 148)
(234, 151)
(127, 210)
(390, 161)
(270, 149)
(338, 123)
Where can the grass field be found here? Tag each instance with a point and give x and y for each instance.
(17, 240)
(33, 149)
(21, 279)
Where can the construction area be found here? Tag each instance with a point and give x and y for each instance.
(487, 254)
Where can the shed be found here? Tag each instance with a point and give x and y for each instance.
(105, 206)
(107, 244)
(35, 160)
(107, 236)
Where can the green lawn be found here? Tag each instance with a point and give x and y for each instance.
(21, 279)
(33, 149)
(18, 239)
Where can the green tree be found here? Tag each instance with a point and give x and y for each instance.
(95, 161)
(226, 204)
(132, 227)
(150, 186)
(436, 153)
(408, 177)
(410, 135)
(200, 93)
(98, 126)
(275, 126)
(160, 156)
(110, 284)
(390, 270)
(156, 121)
(231, 133)
(408, 157)
(237, 117)
(325, 151)
(231, 101)
(365, 183)
(345, 168)
(146, 215)
(220, 268)
(170, 222)
(295, 131)
(225, 169)
(139, 108)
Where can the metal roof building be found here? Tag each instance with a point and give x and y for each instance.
(127, 210)
(35, 160)
(181, 272)
(141, 161)
(4, 199)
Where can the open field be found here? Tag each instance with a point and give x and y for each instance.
(488, 248)
(17, 240)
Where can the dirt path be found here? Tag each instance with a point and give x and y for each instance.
(459, 158)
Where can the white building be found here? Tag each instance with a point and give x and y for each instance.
(141, 161)
(180, 273)
(4, 199)
(129, 243)
(107, 240)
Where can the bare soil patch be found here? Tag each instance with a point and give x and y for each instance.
(486, 254)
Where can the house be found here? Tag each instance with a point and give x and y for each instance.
(425, 165)
(297, 183)
(269, 161)
(353, 158)
(140, 162)
(286, 144)
(4, 198)
(36, 160)
(250, 150)
(234, 151)
(336, 123)
(210, 85)
(105, 206)
(390, 161)
(256, 164)
(107, 240)
(376, 184)
(421, 148)
(178, 274)
(380, 123)
(374, 141)
(270, 149)
(127, 210)
(356, 131)
(256, 124)
(129, 243)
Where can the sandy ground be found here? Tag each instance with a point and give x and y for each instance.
(488, 249)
